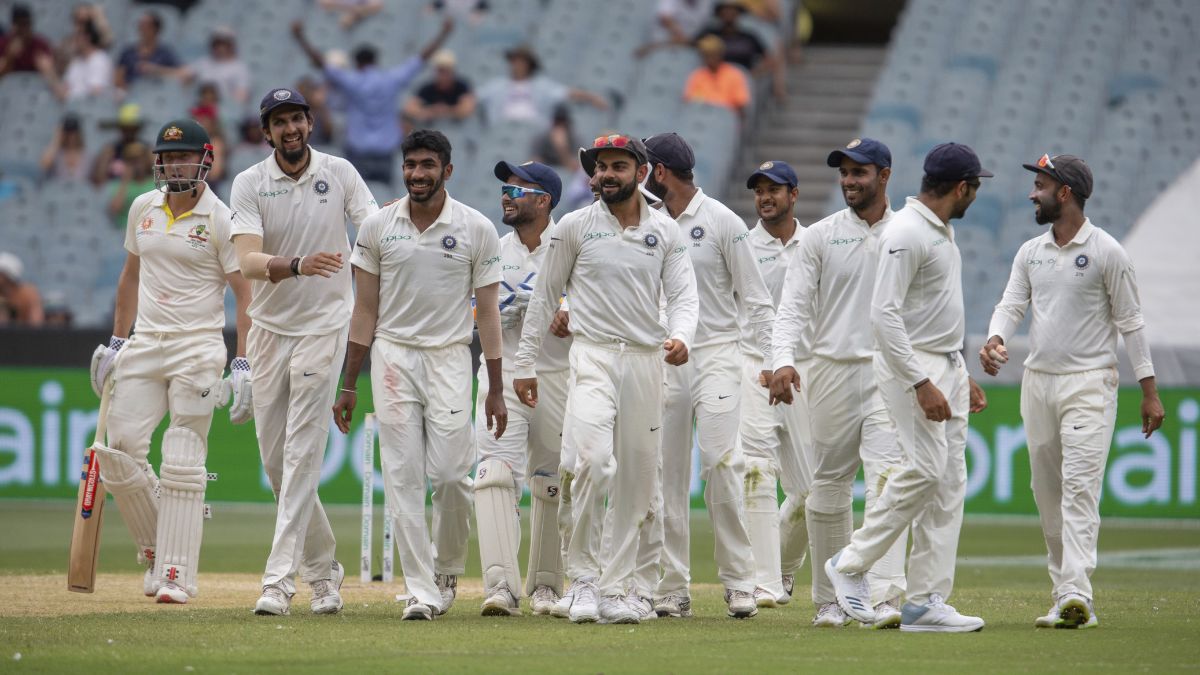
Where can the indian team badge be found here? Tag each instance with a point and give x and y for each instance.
(854, 144)
(282, 94)
(321, 187)
(651, 240)
(766, 166)
(1082, 262)
(172, 133)
(697, 233)
(449, 242)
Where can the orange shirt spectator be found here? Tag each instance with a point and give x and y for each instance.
(717, 82)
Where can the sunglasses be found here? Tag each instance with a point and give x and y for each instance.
(613, 141)
(516, 191)
(1045, 162)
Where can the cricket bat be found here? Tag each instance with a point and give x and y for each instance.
(89, 511)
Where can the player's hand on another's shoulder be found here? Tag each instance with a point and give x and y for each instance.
(321, 264)
(677, 352)
(343, 409)
(526, 388)
(993, 355)
(782, 383)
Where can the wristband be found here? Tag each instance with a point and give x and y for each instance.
(920, 384)
(296, 266)
(352, 391)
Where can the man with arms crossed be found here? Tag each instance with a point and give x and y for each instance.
(1081, 286)
(828, 290)
(419, 259)
(178, 263)
(918, 321)
(289, 227)
(615, 259)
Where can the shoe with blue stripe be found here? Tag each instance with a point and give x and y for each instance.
(853, 593)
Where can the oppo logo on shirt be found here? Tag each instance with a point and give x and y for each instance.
(766, 259)
(274, 193)
(396, 237)
(939, 242)
(491, 261)
(598, 235)
(845, 242)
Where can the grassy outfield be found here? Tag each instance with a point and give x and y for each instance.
(1148, 593)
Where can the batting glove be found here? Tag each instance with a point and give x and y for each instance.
(103, 360)
(238, 381)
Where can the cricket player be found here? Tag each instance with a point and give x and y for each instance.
(918, 322)
(777, 440)
(615, 259)
(529, 449)
(178, 263)
(828, 290)
(418, 262)
(289, 228)
(1080, 284)
(707, 391)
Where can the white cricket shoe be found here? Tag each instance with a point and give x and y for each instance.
(326, 593)
(274, 601)
(937, 617)
(448, 586)
(583, 607)
(171, 594)
(887, 615)
(678, 606)
(542, 600)
(1052, 620)
(641, 606)
(741, 604)
(614, 609)
(765, 599)
(789, 582)
(415, 610)
(853, 593)
(562, 608)
(501, 603)
(830, 615)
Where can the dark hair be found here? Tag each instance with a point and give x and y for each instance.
(681, 174)
(91, 33)
(364, 56)
(427, 139)
(156, 20)
(937, 188)
(21, 13)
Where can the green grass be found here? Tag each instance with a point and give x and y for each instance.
(1149, 617)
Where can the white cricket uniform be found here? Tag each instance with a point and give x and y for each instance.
(614, 278)
(421, 375)
(173, 362)
(828, 291)
(1082, 294)
(777, 437)
(297, 343)
(918, 321)
(707, 391)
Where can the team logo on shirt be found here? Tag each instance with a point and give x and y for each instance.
(449, 242)
(651, 241)
(1082, 262)
(146, 223)
(697, 233)
(320, 186)
(198, 237)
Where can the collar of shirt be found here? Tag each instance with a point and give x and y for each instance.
(545, 237)
(694, 205)
(759, 232)
(444, 216)
(204, 206)
(1080, 238)
(887, 215)
(644, 212)
(916, 205)
(277, 173)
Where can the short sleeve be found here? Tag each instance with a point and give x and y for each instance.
(485, 265)
(245, 218)
(366, 245)
(226, 252)
(131, 223)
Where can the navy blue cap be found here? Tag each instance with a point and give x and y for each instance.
(671, 151)
(534, 172)
(276, 98)
(954, 161)
(863, 151)
(776, 172)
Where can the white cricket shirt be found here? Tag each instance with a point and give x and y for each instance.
(613, 277)
(724, 264)
(1081, 295)
(918, 301)
(519, 265)
(828, 291)
(772, 257)
(183, 262)
(298, 218)
(427, 279)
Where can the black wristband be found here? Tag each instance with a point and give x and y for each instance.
(296, 267)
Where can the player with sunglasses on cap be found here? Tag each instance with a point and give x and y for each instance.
(917, 318)
(616, 259)
(1080, 284)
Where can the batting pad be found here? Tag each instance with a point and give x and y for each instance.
(181, 509)
(545, 545)
(828, 533)
(132, 485)
(499, 525)
(793, 534)
(762, 521)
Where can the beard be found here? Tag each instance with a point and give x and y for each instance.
(1047, 212)
(521, 215)
(623, 193)
(435, 188)
(656, 188)
(297, 155)
(865, 199)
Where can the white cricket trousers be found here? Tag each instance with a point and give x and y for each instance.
(780, 438)
(850, 428)
(293, 379)
(613, 423)
(1069, 423)
(928, 489)
(707, 390)
(423, 406)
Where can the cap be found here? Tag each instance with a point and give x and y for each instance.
(863, 151)
(1068, 170)
(586, 162)
(181, 135)
(954, 161)
(279, 97)
(443, 58)
(129, 115)
(629, 144)
(710, 44)
(10, 266)
(534, 172)
(525, 52)
(776, 172)
(671, 151)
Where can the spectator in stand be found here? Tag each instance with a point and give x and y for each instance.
(446, 97)
(57, 313)
(370, 92)
(677, 22)
(22, 50)
(316, 92)
(558, 147)
(82, 15)
(223, 67)
(20, 302)
(473, 11)
(744, 48)
(147, 57)
(109, 162)
(525, 96)
(350, 12)
(716, 81)
(250, 135)
(137, 178)
(65, 157)
(207, 113)
(90, 70)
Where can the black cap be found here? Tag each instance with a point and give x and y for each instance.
(776, 172)
(863, 151)
(671, 151)
(276, 98)
(534, 172)
(631, 144)
(954, 161)
(181, 135)
(1068, 170)
(587, 162)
